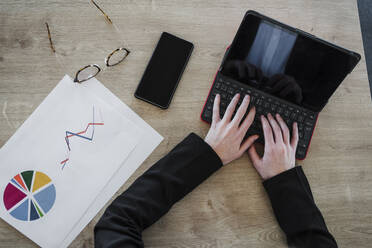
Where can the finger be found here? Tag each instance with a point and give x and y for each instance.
(230, 109)
(247, 143)
(248, 121)
(241, 110)
(294, 140)
(276, 128)
(268, 132)
(284, 128)
(216, 110)
(253, 155)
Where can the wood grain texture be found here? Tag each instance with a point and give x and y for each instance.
(231, 208)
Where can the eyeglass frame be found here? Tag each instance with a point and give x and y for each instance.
(76, 80)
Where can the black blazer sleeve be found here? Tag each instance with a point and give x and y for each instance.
(296, 212)
(154, 193)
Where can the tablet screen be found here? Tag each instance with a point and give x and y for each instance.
(286, 62)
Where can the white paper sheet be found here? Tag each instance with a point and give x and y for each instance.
(149, 141)
(79, 125)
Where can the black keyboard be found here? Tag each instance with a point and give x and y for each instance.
(264, 103)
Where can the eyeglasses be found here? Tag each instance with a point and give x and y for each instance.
(89, 71)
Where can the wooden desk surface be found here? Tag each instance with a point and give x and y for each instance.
(231, 208)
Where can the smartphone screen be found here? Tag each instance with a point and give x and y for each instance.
(164, 70)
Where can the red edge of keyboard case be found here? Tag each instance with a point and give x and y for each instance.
(210, 89)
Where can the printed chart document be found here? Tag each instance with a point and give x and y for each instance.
(65, 158)
(148, 142)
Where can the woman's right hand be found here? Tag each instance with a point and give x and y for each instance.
(280, 148)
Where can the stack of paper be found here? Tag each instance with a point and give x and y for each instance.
(68, 159)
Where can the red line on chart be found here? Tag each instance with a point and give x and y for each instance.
(79, 135)
(89, 124)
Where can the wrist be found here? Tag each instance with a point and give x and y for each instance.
(278, 173)
(213, 148)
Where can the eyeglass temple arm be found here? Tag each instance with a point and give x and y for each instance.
(50, 38)
(106, 16)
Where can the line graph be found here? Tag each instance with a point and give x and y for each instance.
(82, 135)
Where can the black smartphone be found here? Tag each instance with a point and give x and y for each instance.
(164, 70)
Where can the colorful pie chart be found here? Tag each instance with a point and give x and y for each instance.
(29, 195)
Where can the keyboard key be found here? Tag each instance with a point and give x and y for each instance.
(218, 85)
(307, 135)
(300, 118)
(302, 145)
(300, 126)
(224, 87)
(209, 106)
(286, 113)
(301, 152)
(230, 90)
(308, 122)
(293, 116)
(301, 135)
(289, 122)
(207, 113)
(273, 107)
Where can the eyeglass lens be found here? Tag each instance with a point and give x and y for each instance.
(87, 73)
(116, 56)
